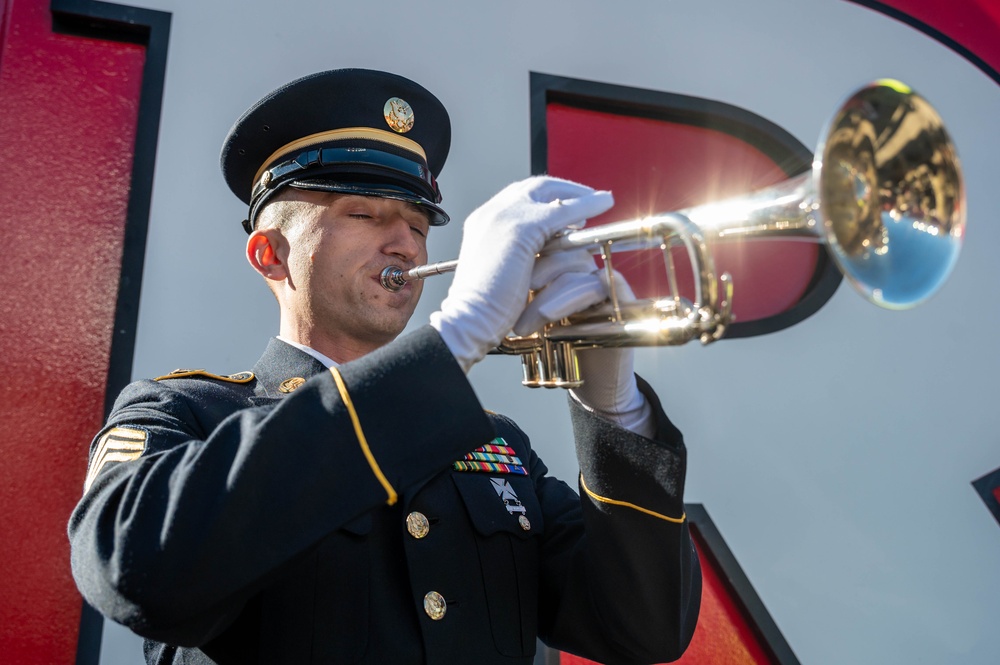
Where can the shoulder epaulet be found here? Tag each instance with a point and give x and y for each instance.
(239, 377)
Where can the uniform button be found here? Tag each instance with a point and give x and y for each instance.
(435, 605)
(417, 524)
(525, 524)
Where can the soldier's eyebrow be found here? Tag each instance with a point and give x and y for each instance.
(419, 208)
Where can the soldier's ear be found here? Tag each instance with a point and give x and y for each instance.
(267, 252)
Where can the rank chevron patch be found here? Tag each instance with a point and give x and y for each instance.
(119, 444)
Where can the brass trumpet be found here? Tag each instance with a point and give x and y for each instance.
(885, 196)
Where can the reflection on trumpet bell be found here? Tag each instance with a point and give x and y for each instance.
(885, 196)
(892, 198)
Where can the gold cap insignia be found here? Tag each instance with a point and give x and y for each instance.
(288, 385)
(398, 115)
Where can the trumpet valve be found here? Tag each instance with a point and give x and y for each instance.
(551, 365)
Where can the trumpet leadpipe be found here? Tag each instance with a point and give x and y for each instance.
(394, 278)
(644, 233)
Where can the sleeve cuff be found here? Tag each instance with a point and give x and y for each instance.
(621, 467)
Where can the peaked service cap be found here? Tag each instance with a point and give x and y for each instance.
(353, 131)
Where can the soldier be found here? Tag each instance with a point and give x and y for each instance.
(309, 511)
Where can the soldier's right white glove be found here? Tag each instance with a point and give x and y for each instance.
(570, 282)
(499, 243)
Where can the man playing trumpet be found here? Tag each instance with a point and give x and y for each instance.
(306, 512)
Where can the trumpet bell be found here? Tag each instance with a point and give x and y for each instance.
(890, 194)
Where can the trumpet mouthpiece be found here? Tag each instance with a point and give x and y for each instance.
(392, 279)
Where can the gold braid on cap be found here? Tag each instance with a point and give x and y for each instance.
(347, 133)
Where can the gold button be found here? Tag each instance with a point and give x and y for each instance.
(435, 605)
(417, 525)
(525, 524)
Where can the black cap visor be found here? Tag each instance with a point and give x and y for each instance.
(435, 214)
(352, 169)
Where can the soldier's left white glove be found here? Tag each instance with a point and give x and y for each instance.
(568, 283)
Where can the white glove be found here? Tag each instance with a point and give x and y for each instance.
(569, 283)
(564, 283)
(609, 388)
(499, 243)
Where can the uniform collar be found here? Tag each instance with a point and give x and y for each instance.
(327, 361)
(280, 365)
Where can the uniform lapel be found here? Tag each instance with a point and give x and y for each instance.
(281, 369)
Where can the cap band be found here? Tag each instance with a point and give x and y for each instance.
(347, 133)
(377, 160)
(354, 164)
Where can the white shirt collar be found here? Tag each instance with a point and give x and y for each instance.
(326, 360)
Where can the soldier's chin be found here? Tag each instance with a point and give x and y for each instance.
(390, 328)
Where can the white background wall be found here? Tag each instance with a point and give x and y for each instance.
(835, 457)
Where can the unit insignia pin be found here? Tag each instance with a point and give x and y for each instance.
(288, 385)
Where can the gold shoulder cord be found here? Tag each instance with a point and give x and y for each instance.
(626, 504)
(239, 377)
(361, 437)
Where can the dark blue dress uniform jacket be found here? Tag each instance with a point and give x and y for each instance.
(231, 522)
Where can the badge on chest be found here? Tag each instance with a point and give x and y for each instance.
(511, 502)
(496, 458)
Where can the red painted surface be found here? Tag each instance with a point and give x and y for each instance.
(655, 166)
(69, 109)
(973, 24)
(724, 636)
